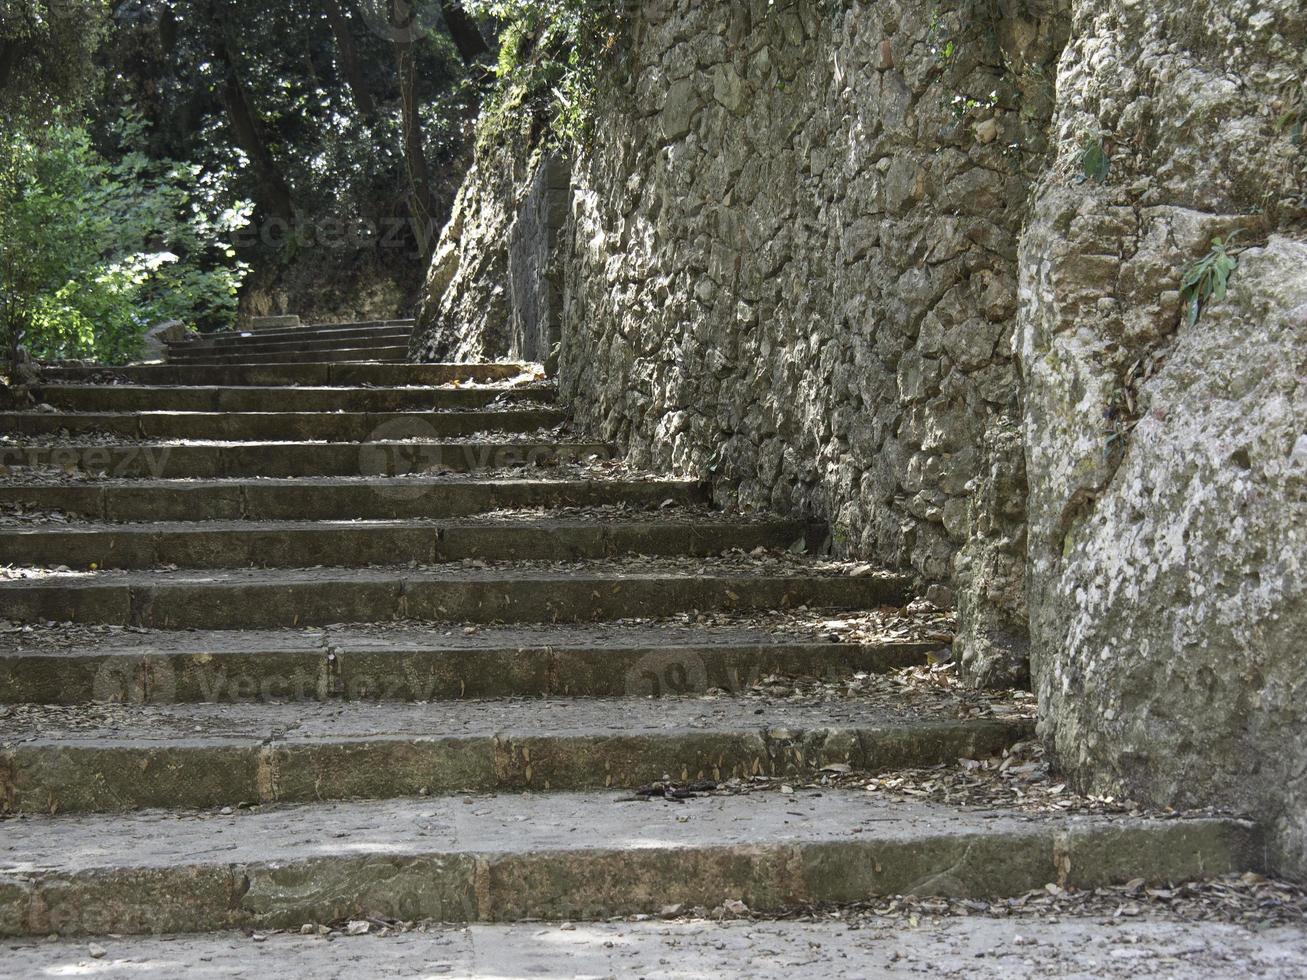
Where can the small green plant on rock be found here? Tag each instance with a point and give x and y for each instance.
(1095, 163)
(1207, 278)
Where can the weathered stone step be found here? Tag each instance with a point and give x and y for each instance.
(204, 460)
(237, 341)
(291, 374)
(200, 755)
(283, 426)
(278, 329)
(181, 353)
(142, 398)
(199, 355)
(389, 664)
(335, 498)
(396, 352)
(575, 856)
(248, 598)
(306, 543)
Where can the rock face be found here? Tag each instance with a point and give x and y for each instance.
(863, 264)
(1166, 461)
(494, 286)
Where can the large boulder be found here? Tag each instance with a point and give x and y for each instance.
(1167, 459)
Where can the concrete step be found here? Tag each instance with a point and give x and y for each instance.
(204, 460)
(142, 398)
(284, 426)
(398, 352)
(290, 374)
(182, 353)
(313, 335)
(276, 331)
(353, 543)
(574, 856)
(251, 598)
(335, 498)
(128, 757)
(387, 663)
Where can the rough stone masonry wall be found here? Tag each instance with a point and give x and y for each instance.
(792, 266)
(1168, 563)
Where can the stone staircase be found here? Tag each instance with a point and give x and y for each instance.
(326, 638)
(375, 340)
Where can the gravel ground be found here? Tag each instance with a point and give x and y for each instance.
(919, 622)
(734, 561)
(1080, 947)
(100, 439)
(592, 469)
(18, 515)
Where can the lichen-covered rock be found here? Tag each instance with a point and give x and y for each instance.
(1167, 488)
(464, 314)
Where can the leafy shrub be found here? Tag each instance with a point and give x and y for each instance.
(92, 252)
(549, 54)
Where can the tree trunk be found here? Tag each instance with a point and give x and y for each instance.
(246, 126)
(414, 152)
(349, 59)
(463, 30)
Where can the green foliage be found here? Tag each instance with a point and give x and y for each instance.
(92, 252)
(47, 50)
(549, 56)
(1094, 160)
(1206, 279)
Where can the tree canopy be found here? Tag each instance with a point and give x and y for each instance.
(176, 158)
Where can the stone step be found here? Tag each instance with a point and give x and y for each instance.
(335, 498)
(284, 426)
(282, 331)
(573, 856)
(290, 374)
(291, 331)
(125, 757)
(251, 598)
(143, 398)
(302, 335)
(386, 663)
(353, 543)
(203, 460)
(354, 354)
(256, 353)
(185, 353)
